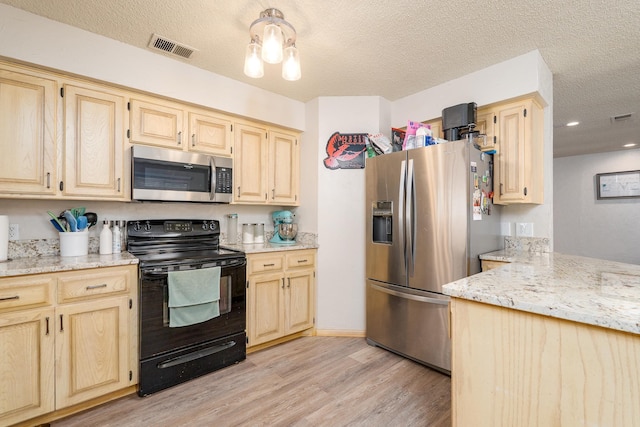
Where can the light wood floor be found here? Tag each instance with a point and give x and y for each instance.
(311, 381)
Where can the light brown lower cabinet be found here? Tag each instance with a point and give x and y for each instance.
(513, 368)
(280, 295)
(66, 338)
(490, 265)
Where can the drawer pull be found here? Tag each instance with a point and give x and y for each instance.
(288, 282)
(10, 298)
(46, 319)
(104, 285)
(268, 265)
(283, 283)
(61, 325)
(302, 260)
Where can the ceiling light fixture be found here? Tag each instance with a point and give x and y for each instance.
(573, 123)
(631, 144)
(273, 40)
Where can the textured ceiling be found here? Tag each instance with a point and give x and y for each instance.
(397, 48)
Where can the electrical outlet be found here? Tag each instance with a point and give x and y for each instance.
(14, 232)
(524, 229)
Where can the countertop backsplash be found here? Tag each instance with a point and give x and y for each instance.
(527, 244)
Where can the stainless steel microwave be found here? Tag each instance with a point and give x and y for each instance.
(162, 174)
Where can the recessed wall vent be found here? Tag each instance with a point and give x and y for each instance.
(622, 118)
(169, 46)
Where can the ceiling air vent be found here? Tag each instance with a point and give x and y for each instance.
(164, 44)
(621, 118)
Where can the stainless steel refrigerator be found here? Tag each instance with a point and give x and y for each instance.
(429, 216)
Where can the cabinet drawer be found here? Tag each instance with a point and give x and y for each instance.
(301, 259)
(261, 263)
(92, 283)
(23, 292)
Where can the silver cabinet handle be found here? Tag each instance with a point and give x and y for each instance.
(193, 140)
(104, 285)
(273, 194)
(48, 179)
(119, 184)
(10, 298)
(179, 137)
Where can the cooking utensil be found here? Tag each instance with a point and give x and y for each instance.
(57, 225)
(81, 222)
(76, 212)
(58, 222)
(92, 219)
(71, 221)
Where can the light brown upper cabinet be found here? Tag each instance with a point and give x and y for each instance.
(266, 166)
(163, 123)
(28, 163)
(518, 163)
(94, 136)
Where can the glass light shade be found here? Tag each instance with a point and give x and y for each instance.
(272, 44)
(253, 66)
(291, 64)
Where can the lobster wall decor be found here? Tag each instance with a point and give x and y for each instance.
(346, 151)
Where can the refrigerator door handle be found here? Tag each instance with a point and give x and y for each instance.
(410, 215)
(410, 296)
(403, 174)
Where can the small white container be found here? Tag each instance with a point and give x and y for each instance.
(247, 233)
(232, 228)
(258, 233)
(74, 244)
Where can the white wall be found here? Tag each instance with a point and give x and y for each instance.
(341, 212)
(606, 229)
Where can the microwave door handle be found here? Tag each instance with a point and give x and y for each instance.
(212, 168)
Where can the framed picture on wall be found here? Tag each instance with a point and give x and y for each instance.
(617, 185)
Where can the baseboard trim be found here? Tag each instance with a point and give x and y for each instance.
(340, 333)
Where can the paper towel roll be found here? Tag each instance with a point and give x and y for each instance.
(4, 237)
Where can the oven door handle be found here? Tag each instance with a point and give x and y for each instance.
(195, 355)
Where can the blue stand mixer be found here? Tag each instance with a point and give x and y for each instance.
(285, 230)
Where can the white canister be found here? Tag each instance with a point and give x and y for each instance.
(247, 233)
(232, 228)
(258, 233)
(4, 237)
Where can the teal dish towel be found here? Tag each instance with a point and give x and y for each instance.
(194, 296)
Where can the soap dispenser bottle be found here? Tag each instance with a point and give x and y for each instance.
(106, 239)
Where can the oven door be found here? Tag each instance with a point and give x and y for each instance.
(157, 337)
(170, 356)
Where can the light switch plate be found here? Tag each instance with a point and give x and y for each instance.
(524, 229)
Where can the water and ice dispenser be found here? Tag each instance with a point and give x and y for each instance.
(382, 212)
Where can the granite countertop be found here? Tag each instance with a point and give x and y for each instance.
(586, 290)
(268, 247)
(51, 264)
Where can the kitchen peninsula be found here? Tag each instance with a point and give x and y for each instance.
(546, 339)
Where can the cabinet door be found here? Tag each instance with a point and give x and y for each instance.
(250, 164)
(510, 167)
(283, 162)
(209, 134)
(485, 124)
(94, 143)
(26, 365)
(92, 349)
(27, 134)
(300, 302)
(156, 124)
(266, 307)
